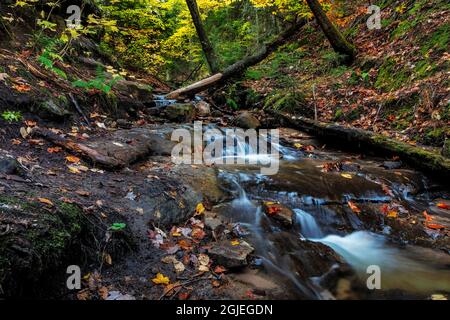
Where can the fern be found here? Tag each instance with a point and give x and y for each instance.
(99, 83)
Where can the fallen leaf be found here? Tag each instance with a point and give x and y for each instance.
(74, 169)
(346, 176)
(45, 201)
(161, 279)
(184, 295)
(354, 207)
(22, 87)
(392, 214)
(443, 206)
(16, 142)
(435, 226)
(103, 293)
(219, 270)
(73, 159)
(198, 233)
(235, 243)
(30, 123)
(23, 132)
(199, 209)
(54, 149)
(83, 193)
(185, 244)
(107, 259)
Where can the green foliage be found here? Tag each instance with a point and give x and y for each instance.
(117, 226)
(49, 56)
(12, 116)
(100, 82)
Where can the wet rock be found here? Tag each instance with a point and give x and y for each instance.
(10, 166)
(211, 221)
(180, 112)
(54, 109)
(203, 180)
(122, 123)
(230, 256)
(279, 213)
(165, 202)
(307, 258)
(135, 90)
(246, 120)
(392, 165)
(203, 108)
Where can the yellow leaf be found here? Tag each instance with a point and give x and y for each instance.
(235, 243)
(346, 176)
(45, 201)
(73, 159)
(392, 214)
(74, 170)
(161, 279)
(199, 209)
(298, 145)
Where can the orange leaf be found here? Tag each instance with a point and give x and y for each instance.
(30, 123)
(185, 244)
(219, 269)
(435, 226)
(22, 87)
(354, 207)
(73, 159)
(54, 150)
(443, 206)
(45, 201)
(198, 233)
(428, 218)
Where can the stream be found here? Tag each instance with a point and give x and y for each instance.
(321, 216)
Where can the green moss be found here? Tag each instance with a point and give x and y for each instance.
(438, 40)
(435, 136)
(390, 77)
(288, 101)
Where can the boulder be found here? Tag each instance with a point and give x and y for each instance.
(54, 109)
(180, 112)
(246, 120)
(135, 90)
(230, 256)
(279, 213)
(203, 109)
(10, 166)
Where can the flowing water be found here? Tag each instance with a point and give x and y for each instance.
(324, 225)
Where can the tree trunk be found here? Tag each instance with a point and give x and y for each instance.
(208, 50)
(337, 40)
(237, 68)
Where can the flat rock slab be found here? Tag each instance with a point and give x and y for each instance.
(230, 256)
(117, 149)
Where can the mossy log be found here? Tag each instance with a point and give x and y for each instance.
(421, 158)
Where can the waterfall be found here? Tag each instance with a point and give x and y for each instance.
(308, 225)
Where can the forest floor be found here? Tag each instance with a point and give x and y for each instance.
(398, 86)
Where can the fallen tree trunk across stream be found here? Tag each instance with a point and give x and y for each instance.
(237, 68)
(354, 138)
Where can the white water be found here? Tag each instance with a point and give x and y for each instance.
(399, 270)
(308, 225)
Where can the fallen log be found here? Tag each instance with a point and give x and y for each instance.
(424, 159)
(237, 68)
(76, 147)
